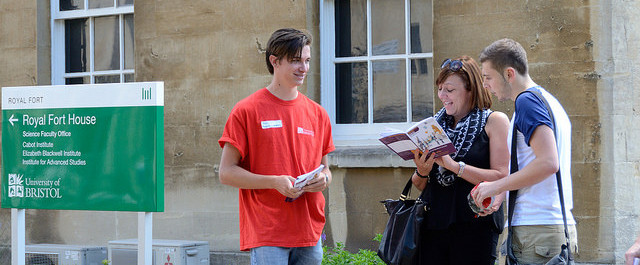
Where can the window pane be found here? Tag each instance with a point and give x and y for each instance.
(421, 26)
(351, 93)
(128, 42)
(389, 91)
(128, 78)
(125, 2)
(100, 3)
(422, 88)
(77, 80)
(351, 28)
(71, 5)
(76, 45)
(107, 43)
(387, 22)
(107, 79)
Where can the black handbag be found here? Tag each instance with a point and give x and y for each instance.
(401, 236)
(564, 257)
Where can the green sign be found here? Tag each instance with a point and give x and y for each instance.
(84, 147)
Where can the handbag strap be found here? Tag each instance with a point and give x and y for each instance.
(407, 189)
(514, 168)
(512, 194)
(558, 175)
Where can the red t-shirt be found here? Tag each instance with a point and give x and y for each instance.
(277, 137)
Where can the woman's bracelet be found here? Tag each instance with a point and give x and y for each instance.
(421, 176)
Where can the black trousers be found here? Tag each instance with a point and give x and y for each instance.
(460, 244)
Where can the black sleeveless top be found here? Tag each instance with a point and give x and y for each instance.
(449, 204)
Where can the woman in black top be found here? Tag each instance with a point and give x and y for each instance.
(453, 233)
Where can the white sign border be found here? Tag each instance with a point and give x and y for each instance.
(138, 94)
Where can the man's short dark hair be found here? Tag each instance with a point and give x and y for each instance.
(505, 53)
(286, 43)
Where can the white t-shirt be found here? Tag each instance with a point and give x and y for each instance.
(540, 204)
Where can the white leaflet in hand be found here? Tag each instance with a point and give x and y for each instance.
(636, 261)
(302, 180)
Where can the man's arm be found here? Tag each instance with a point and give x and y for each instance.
(233, 175)
(546, 163)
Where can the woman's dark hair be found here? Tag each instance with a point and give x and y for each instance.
(472, 78)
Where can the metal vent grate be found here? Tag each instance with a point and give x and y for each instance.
(41, 259)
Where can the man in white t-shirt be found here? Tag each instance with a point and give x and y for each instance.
(538, 230)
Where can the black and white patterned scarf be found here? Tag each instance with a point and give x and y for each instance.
(462, 137)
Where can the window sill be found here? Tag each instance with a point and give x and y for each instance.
(366, 157)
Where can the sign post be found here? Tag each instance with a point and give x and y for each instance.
(145, 238)
(17, 236)
(83, 147)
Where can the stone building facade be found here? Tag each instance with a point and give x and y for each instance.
(210, 54)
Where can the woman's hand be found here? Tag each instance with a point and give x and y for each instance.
(447, 162)
(423, 161)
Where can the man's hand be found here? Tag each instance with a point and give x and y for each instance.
(497, 202)
(284, 185)
(317, 183)
(485, 190)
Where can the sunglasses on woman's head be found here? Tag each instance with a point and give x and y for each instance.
(453, 65)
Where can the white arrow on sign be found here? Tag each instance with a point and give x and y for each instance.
(12, 119)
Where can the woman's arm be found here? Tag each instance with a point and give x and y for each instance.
(424, 164)
(497, 129)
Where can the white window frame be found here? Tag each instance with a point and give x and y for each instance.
(58, 61)
(366, 133)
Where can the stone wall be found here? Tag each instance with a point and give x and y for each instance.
(616, 34)
(18, 56)
(18, 61)
(210, 55)
(581, 51)
(557, 38)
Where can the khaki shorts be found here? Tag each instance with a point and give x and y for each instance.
(536, 244)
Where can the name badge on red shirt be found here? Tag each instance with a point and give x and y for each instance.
(271, 124)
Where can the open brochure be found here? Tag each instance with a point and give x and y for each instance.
(302, 180)
(426, 135)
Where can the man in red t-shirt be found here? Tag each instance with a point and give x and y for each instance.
(270, 138)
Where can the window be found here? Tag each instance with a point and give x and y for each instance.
(92, 41)
(377, 61)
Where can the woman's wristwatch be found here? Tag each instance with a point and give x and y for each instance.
(461, 170)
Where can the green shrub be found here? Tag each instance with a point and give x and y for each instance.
(338, 256)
